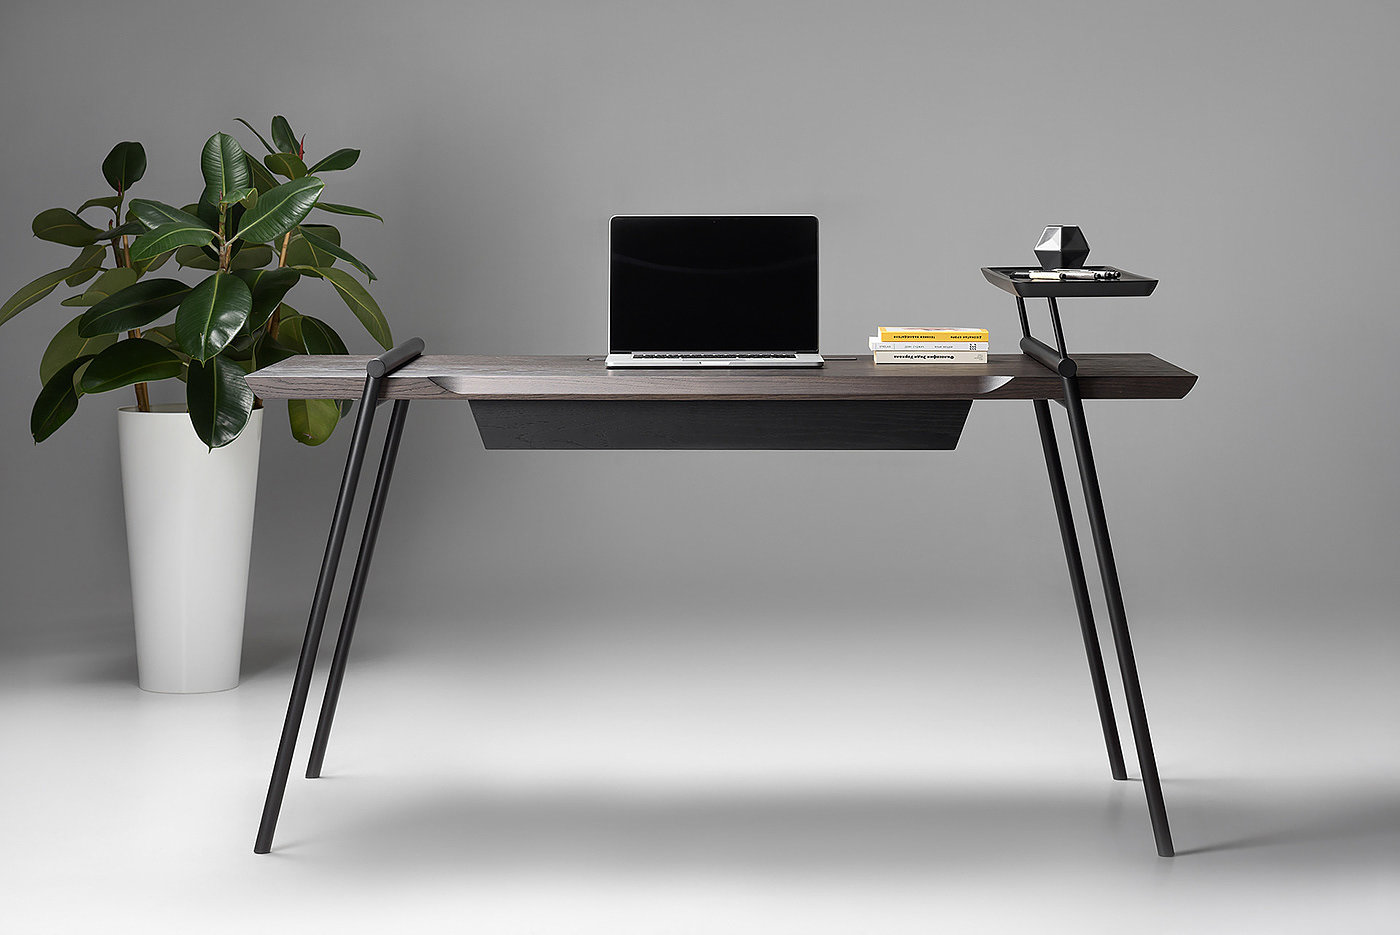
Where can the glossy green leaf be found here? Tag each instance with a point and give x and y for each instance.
(133, 307)
(154, 214)
(67, 346)
(268, 350)
(59, 225)
(122, 230)
(301, 253)
(88, 264)
(110, 282)
(268, 287)
(361, 303)
(266, 144)
(164, 335)
(252, 256)
(106, 201)
(238, 194)
(312, 420)
(124, 165)
(197, 258)
(207, 211)
(219, 400)
(283, 136)
(340, 159)
(263, 180)
(319, 338)
(32, 292)
(127, 362)
(321, 245)
(143, 267)
(224, 165)
(347, 209)
(211, 314)
(285, 165)
(168, 237)
(280, 210)
(57, 401)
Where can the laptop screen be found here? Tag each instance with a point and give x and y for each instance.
(743, 283)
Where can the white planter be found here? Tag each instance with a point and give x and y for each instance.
(189, 533)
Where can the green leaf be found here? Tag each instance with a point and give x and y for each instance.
(312, 420)
(301, 253)
(127, 362)
(143, 267)
(32, 292)
(133, 307)
(263, 180)
(57, 401)
(340, 159)
(361, 303)
(281, 209)
(211, 314)
(266, 144)
(164, 335)
(224, 165)
(168, 237)
(322, 245)
(268, 350)
(67, 346)
(59, 225)
(219, 399)
(238, 195)
(251, 257)
(121, 230)
(196, 258)
(106, 201)
(124, 166)
(111, 281)
(88, 264)
(153, 214)
(268, 287)
(283, 136)
(347, 209)
(285, 165)
(207, 211)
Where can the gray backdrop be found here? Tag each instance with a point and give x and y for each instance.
(1243, 153)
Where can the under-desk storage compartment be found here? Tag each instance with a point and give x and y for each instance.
(871, 424)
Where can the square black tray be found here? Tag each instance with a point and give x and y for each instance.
(1127, 284)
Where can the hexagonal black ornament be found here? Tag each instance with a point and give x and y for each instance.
(1062, 246)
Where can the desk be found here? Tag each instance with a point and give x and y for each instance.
(574, 402)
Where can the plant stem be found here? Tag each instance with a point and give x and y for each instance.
(286, 239)
(123, 258)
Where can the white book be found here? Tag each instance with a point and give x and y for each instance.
(930, 357)
(877, 345)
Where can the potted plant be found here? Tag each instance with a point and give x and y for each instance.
(189, 470)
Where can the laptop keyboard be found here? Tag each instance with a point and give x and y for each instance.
(636, 356)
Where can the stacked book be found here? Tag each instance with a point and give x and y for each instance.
(907, 345)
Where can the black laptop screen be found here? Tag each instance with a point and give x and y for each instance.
(713, 284)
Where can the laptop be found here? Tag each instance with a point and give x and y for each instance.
(708, 291)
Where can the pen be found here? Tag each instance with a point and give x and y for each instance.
(1059, 275)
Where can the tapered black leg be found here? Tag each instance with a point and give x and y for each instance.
(1117, 616)
(301, 685)
(357, 588)
(1081, 590)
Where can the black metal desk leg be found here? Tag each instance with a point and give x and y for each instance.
(1108, 570)
(357, 588)
(1081, 589)
(301, 685)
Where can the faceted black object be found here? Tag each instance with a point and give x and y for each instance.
(1062, 246)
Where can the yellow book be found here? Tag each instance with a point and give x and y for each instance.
(932, 334)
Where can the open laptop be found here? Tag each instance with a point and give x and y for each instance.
(707, 291)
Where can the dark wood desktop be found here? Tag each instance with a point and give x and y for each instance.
(575, 402)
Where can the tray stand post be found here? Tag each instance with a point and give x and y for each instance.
(1058, 360)
(376, 371)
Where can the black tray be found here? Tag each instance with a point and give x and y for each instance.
(1127, 284)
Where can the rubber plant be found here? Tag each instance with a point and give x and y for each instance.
(248, 233)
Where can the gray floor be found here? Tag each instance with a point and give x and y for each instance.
(712, 775)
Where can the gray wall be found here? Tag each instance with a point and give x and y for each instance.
(1243, 153)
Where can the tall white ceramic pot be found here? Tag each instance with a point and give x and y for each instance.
(189, 533)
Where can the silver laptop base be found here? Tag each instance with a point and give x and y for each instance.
(711, 359)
